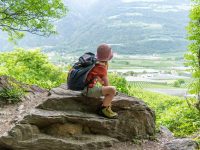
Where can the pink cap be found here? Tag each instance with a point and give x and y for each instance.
(104, 52)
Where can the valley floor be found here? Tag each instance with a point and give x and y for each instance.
(164, 74)
(174, 92)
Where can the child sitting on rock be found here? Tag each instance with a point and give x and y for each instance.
(99, 74)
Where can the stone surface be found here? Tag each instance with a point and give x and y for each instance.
(166, 133)
(181, 144)
(64, 129)
(66, 120)
(11, 113)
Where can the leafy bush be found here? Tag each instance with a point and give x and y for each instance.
(11, 90)
(181, 119)
(119, 82)
(176, 84)
(181, 81)
(31, 67)
(11, 95)
(171, 111)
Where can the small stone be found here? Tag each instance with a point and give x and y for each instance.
(20, 107)
(166, 132)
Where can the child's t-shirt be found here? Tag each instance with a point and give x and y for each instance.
(99, 70)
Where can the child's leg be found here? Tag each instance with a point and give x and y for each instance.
(109, 93)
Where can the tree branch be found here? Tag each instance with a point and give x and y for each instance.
(34, 16)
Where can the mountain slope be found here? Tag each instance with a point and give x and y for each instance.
(130, 26)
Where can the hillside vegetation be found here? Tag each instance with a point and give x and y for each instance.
(31, 67)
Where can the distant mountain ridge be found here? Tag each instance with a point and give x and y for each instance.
(130, 26)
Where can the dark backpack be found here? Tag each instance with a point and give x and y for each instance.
(77, 75)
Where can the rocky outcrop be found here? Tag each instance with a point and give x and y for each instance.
(26, 96)
(169, 142)
(8, 83)
(66, 120)
(181, 144)
(12, 91)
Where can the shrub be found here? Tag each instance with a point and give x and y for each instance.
(11, 95)
(119, 82)
(181, 119)
(31, 67)
(181, 81)
(176, 84)
(11, 90)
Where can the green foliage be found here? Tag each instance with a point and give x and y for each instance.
(181, 81)
(181, 119)
(193, 55)
(120, 82)
(197, 139)
(31, 67)
(34, 16)
(11, 91)
(11, 95)
(171, 111)
(177, 84)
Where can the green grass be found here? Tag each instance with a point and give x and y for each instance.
(155, 64)
(144, 84)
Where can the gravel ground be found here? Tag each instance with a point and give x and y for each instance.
(10, 114)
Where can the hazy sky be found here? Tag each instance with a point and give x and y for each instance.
(130, 1)
(87, 4)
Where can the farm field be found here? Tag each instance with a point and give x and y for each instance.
(161, 73)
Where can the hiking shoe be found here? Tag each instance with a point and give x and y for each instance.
(107, 112)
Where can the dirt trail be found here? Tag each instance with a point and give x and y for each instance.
(10, 114)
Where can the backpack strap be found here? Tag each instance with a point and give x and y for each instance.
(87, 84)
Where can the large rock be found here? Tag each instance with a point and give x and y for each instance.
(8, 83)
(181, 144)
(26, 96)
(68, 121)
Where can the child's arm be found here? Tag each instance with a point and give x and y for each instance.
(103, 78)
(105, 81)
